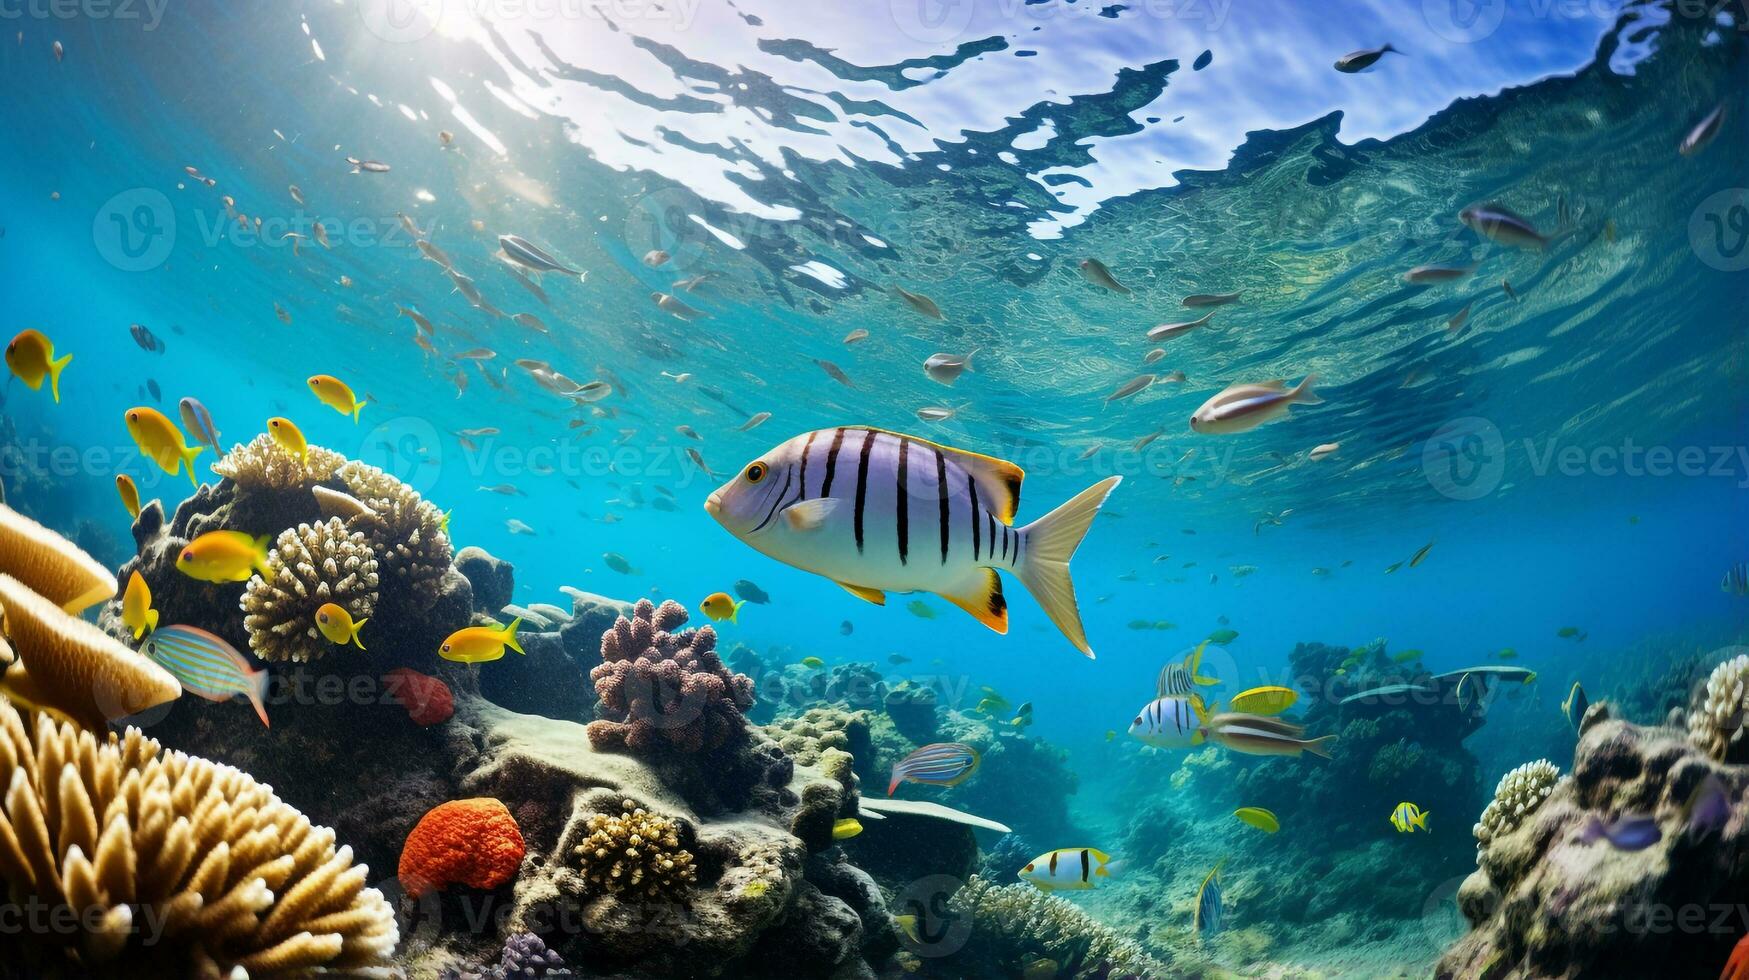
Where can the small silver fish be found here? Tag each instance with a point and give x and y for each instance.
(1200, 300)
(1166, 331)
(758, 419)
(1423, 275)
(367, 166)
(919, 302)
(856, 336)
(947, 368)
(674, 307)
(1243, 407)
(1458, 319)
(532, 257)
(835, 372)
(594, 391)
(1130, 388)
(1097, 274)
(515, 526)
(435, 254)
(1357, 61)
(1703, 132)
(936, 413)
(530, 321)
(296, 194)
(1153, 355)
(1500, 224)
(408, 226)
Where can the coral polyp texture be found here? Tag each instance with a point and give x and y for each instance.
(1715, 722)
(50, 565)
(312, 565)
(1517, 796)
(405, 529)
(261, 464)
(172, 866)
(635, 853)
(473, 843)
(1010, 923)
(663, 690)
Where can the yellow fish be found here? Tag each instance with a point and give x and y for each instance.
(480, 644)
(336, 395)
(224, 556)
(32, 357)
(719, 607)
(1407, 816)
(337, 625)
(136, 607)
(443, 525)
(847, 828)
(288, 437)
(1264, 700)
(161, 441)
(130, 494)
(813, 663)
(1258, 817)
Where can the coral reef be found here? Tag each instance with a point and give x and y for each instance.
(1520, 792)
(1545, 902)
(912, 708)
(524, 957)
(805, 738)
(261, 465)
(635, 852)
(663, 691)
(312, 565)
(493, 579)
(406, 533)
(427, 699)
(172, 865)
(473, 843)
(50, 565)
(1715, 720)
(1012, 925)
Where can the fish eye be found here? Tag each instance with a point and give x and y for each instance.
(446, 648)
(1027, 869)
(322, 617)
(755, 472)
(188, 556)
(133, 416)
(1138, 720)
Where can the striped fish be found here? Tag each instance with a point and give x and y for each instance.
(940, 764)
(208, 666)
(879, 512)
(1172, 722)
(1070, 868)
(1210, 912)
(1258, 735)
(1180, 680)
(1736, 580)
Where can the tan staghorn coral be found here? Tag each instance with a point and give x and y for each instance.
(405, 530)
(49, 564)
(1520, 792)
(66, 664)
(1715, 721)
(1010, 922)
(311, 565)
(173, 865)
(263, 465)
(635, 852)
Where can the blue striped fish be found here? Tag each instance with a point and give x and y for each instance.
(208, 666)
(940, 764)
(878, 512)
(1209, 909)
(1171, 723)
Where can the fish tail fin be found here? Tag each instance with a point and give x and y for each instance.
(735, 612)
(356, 626)
(1050, 542)
(897, 779)
(357, 406)
(510, 636)
(55, 368)
(1421, 821)
(1303, 393)
(151, 621)
(1320, 746)
(1112, 868)
(1391, 48)
(257, 694)
(261, 544)
(188, 453)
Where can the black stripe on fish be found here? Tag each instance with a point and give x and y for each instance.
(972, 487)
(1085, 864)
(992, 519)
(832, 462)
(1019, 539)
(902, 518)
(806, 446)
(941, 493)
(1053, 864)
(862, 485)
(777, 504)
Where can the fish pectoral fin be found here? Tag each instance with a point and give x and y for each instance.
(875, 596)
(981, 595)
(808, 515)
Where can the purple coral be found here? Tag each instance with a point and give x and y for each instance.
(524, 957)
(666, 690)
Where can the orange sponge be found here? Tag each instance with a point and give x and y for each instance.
(474, 843)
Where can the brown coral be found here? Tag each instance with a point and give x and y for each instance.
(63, 662)
(50, 565)
(635, 852)
(311, 565)
(405, 531)
(806, 738)
(663, 690)
(263, 465)
(171, 865)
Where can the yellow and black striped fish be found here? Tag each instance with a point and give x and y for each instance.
(879, 512)
(1071, 868)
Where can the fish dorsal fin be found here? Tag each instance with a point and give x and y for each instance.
(981, 595)
(998, 480)
(808, 515)
(875, 596)
(1275, 383)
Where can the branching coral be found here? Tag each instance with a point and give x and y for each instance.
(665, 690)
(405, 531)
(635, 852)
(263, 465)
(1715, 722)
(1013, 922)
(171, 865)
(1520, 792)
(524, 957)
(804, 739)
(311, 565)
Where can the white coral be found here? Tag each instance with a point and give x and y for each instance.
(311, 565)
(1717, 723)
(1520, 792)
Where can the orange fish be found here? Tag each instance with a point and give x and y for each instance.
(1737, 967)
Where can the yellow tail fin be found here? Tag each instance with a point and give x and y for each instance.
(55, 368)
(188, 453)
(1049, 543)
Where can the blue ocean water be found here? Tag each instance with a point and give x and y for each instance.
(805, 160)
